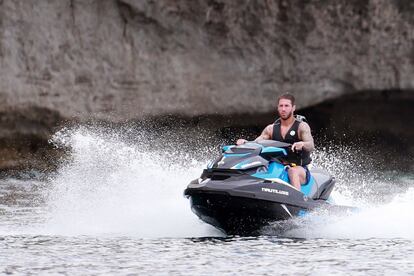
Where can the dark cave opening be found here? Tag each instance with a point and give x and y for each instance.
(368, 118)
(375, 124)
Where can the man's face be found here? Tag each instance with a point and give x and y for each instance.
(285, 109)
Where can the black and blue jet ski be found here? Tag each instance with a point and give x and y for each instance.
(247, 187)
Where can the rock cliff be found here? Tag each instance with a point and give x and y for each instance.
(117, 60)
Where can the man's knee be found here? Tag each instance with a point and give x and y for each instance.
(297, 172)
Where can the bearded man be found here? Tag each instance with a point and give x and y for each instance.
(293, 130)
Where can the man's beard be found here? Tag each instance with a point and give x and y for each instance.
(286, 117)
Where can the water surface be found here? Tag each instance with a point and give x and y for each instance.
(116, 207)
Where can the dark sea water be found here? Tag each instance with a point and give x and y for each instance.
(116, 207)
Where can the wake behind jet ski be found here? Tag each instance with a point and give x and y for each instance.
(247, 187)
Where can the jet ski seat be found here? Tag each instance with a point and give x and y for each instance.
(324, 184)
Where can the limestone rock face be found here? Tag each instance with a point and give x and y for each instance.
(117, 60)
(122, 59)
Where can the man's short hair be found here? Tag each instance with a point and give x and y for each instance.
(286, 96)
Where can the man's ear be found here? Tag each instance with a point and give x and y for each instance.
(294, 108)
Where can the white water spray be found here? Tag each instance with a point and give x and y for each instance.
(109, 187)
(391, 220)
(385, 201)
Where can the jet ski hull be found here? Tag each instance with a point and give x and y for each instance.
(244, 206)
(238, 215)
(247, 187)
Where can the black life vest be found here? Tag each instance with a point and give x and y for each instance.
(301, 158)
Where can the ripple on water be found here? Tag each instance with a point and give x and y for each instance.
(235, 255)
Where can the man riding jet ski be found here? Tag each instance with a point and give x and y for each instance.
(294, 130)
(254, 183)
(247, 187)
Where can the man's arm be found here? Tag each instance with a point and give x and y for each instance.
(265, 135)
(306, 137)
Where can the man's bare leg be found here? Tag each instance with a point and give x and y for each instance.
(297, 176)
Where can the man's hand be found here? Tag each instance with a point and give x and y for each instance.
(241, 142)
(297, 146)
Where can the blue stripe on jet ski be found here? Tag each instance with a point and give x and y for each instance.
(225, 148)
(235, 154)
(275, 170)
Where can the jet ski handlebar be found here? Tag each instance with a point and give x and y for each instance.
(270, 143)
(266, 147)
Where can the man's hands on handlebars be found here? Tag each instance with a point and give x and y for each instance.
(297, 146)
(241, 142)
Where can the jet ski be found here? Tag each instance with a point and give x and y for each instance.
(247, 187)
